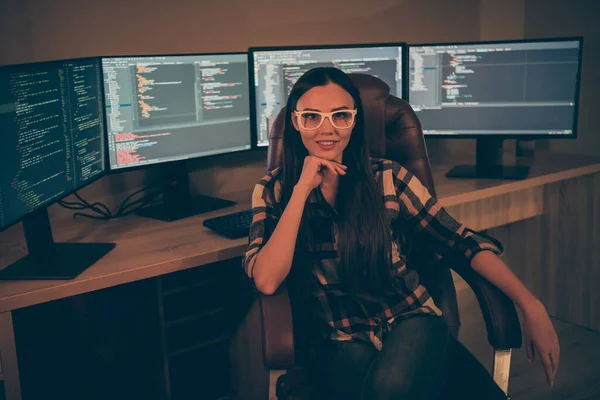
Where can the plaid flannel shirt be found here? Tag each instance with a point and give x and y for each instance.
(405, 197)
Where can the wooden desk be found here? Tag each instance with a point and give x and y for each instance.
(564, 191)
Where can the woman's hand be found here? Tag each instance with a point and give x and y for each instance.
(538, 333)
(314, 169)
(540, 337)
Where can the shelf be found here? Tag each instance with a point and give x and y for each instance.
(193, 317)
(200, 346)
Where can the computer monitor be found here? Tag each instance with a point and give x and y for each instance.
(166, 109)
(275, 70)
(51, 145)
(491, 91)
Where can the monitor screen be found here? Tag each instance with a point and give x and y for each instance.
(276, 70)
(516, 88)
(175, 107)
(52, 133)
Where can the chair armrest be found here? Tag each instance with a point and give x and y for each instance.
(499, 313)
(277, 330)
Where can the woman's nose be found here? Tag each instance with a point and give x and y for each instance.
(327, 126)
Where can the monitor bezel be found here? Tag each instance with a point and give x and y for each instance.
(108, 169)
(102, 135)
(519, 136)
(255, 49)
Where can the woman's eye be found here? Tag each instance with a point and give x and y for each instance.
(311, 116)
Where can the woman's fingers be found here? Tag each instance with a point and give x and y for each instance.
(329, 166)
(555, 355)
(336, 168)
(547, 364)
(341, 171)
(554, 361)
(530, 350)
(321, 163)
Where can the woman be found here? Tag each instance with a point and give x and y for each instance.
(338, 223)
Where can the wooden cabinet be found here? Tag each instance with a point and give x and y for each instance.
(199, 310)
(163, 338)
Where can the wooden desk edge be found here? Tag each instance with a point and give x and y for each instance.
(75, 287)
(480, 194)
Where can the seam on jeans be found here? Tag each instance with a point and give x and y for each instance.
(442, 367)
(362, 387)
(449, 339)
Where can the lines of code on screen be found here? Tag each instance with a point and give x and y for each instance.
(51, 144)
(167, 108)
(277, 70)
(504, 88)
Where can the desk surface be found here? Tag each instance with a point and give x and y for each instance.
(148, 248)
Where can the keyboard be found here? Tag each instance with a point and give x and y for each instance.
(233, 226)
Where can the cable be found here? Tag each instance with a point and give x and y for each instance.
(84, 205)
(105, 208)
(143, 200)
(102, 212)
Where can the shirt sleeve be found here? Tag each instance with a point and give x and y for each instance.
(264, 218)
(426, 217)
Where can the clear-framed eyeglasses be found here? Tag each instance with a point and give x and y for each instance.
(310, 120)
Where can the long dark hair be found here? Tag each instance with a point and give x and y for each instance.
(364, 245)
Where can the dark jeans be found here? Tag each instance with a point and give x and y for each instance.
(419, 360)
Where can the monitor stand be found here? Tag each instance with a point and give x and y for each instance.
(177, 202)
(48, 260)
(489, 163)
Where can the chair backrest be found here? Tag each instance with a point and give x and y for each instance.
(394, 132)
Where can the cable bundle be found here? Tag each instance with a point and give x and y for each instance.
(102, 212)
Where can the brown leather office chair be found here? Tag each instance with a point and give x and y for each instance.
(394, 132)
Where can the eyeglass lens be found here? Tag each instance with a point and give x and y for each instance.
(339, 119)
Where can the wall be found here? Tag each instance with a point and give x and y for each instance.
(573, 18)
(71, 28)
(498, 20)
(36, 30)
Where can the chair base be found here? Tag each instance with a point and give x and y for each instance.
(501, 369)
(274, 375)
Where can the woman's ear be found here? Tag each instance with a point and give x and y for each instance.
(294, 122)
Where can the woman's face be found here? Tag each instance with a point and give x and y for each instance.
(327, 141)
